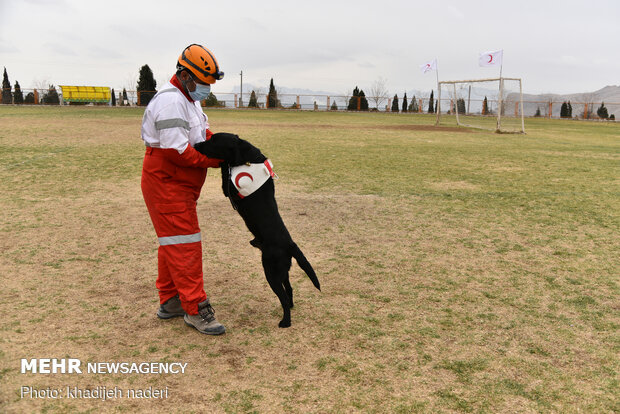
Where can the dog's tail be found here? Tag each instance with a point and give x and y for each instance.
(305, 265)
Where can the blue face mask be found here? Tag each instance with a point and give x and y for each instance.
(201, 92)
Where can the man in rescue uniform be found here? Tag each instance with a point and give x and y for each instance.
(173, 173)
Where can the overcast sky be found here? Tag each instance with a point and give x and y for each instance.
(554, 46)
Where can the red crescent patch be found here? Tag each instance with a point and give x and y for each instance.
(240, 176)
(490, 60)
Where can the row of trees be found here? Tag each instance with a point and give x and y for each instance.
(16, 96)
(147, 88)
(566, 111)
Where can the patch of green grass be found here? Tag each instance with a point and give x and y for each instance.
(242, 401)
(464, 369)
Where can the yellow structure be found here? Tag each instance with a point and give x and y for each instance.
(94, 94)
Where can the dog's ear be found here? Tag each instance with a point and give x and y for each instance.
(224, 168)
(236, 157)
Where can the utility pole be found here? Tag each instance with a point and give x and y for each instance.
(241, 94)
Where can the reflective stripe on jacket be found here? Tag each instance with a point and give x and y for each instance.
(172, 121)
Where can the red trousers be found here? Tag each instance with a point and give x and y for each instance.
(170, 191)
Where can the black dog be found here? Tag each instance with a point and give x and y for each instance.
(260, 213)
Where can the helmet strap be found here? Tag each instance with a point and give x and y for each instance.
(184, 83)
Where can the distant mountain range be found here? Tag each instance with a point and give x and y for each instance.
(610, 95)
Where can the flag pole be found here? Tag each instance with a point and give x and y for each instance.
(501, 92)
(438, 106)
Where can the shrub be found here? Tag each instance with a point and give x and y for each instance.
(212, 101)
(51, 97)
(359, 97)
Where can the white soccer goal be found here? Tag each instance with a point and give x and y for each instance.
(495, 104)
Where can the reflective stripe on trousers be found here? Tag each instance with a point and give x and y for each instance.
(181, 239)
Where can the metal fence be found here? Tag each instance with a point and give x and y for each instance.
(300, 102)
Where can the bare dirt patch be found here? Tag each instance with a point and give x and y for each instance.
(431, 128)
(433, 299)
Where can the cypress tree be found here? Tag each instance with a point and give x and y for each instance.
(485, 106)
(602, 111)
(395, 103)
(353, 100)
(124, 98)
(272, 96)
(431, 102)
(363, 101)
(405, 103)
(570, 110)
(147, 87)
(563, 110)
(334, 107)
(253, 103)
(6, 89)
(413, 105)
(18, 96)
(113, 98)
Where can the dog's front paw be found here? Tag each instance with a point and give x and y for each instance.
(284, 324)
(256, 244)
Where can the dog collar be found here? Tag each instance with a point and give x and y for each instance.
(248, 178)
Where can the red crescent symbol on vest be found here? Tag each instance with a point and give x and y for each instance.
(240, 176)
(491, 59)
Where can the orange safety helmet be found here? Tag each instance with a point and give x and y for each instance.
(201, 63)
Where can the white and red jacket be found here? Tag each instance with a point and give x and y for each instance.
(173, 173)
(173, 120)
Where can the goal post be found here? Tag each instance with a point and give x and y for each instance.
(494, 104)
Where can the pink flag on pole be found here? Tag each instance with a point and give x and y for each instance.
(427, 67)
(493, 58)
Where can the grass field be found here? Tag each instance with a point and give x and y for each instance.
(461, 271)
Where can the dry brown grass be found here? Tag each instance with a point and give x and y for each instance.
(482, 290)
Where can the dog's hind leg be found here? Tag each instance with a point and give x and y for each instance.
(289, 290)
(276, 268)
(278, 289)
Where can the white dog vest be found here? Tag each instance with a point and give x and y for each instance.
(248, 178)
